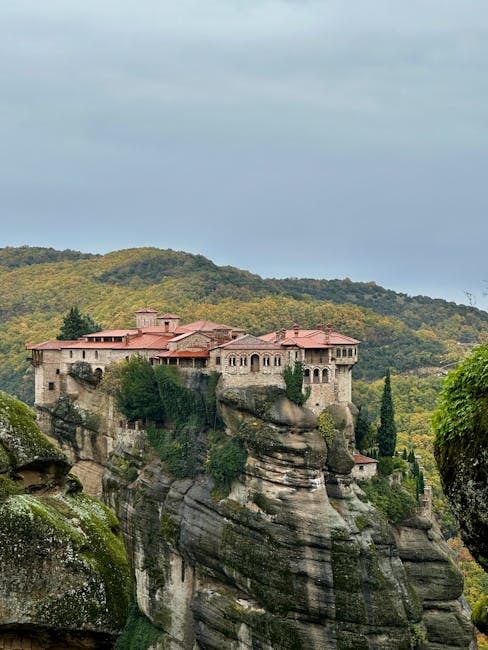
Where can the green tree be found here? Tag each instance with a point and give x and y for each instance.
(293, 376)
(139, 397)
(387, 429)
(76, 324)
(364, 431)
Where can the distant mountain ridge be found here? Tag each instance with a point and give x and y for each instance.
(39, 285)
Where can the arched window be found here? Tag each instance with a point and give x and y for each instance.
(325, 376)
(232, 360)
(266, 361)
(255, 363)
(243, 361)
(316, 376)
(96, 354)
(306, 376)
(277, 360)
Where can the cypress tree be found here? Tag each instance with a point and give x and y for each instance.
(387, 428)
(363, 431)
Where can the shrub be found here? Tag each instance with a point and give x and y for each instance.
(394, 501)
(139, 397)
(226, 458)
(82, 371)
(293, 376)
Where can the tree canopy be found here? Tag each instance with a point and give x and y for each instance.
(76, 324)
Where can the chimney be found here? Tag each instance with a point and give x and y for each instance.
(328, 329)
(296, 327)
(320, 326)
(280, 334)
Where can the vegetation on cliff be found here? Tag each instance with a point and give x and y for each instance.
(460, 444)
(182, 424)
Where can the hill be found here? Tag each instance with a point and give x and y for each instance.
(39, 285)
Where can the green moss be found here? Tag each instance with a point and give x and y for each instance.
(91, 547)
(139, 633)
(258, 435)
(479, 616)
(21, 439)
(361, 522)
(168, 527)
(418, 637)
(260, 559)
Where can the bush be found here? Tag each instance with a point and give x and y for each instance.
(293, 376)
(183, 449)
(139, 397)
(394, 501)
(226, 458)
(82, 371)
(388, 464)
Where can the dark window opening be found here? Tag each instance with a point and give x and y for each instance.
(51, 385)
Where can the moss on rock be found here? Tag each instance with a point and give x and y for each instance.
(21, 441)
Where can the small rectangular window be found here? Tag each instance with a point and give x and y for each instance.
(349, 352)
(51, 385)
(217, 361)
(338, 353)
(83, 354)
(57, 371)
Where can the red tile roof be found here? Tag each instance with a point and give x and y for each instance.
(359, 459)
(205, 326)
(146, 311)
(169, 316)
(48, 345)
(249, 342)
(310, 338)
(184, 353)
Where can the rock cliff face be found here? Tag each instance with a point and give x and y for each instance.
(84, 423)
(63, 567)
(292, 558)
(461, 451)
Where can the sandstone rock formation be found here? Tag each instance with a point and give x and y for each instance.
(63, 567)
(292, 558)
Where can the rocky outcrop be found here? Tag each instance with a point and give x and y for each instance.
(84, 423)
(63, 567)
(292, 557)
(461, 452)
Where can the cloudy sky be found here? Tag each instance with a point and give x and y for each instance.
(316, 138)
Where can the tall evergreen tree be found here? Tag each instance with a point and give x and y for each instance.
(76, 324)
(363, 431)
(387, 429)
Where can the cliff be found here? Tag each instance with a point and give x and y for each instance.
(63, 567)
(293, 557)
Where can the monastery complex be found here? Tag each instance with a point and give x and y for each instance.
(202, 347)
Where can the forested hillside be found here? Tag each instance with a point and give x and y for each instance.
(39, 285)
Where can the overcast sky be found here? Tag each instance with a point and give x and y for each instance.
(289, 137)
